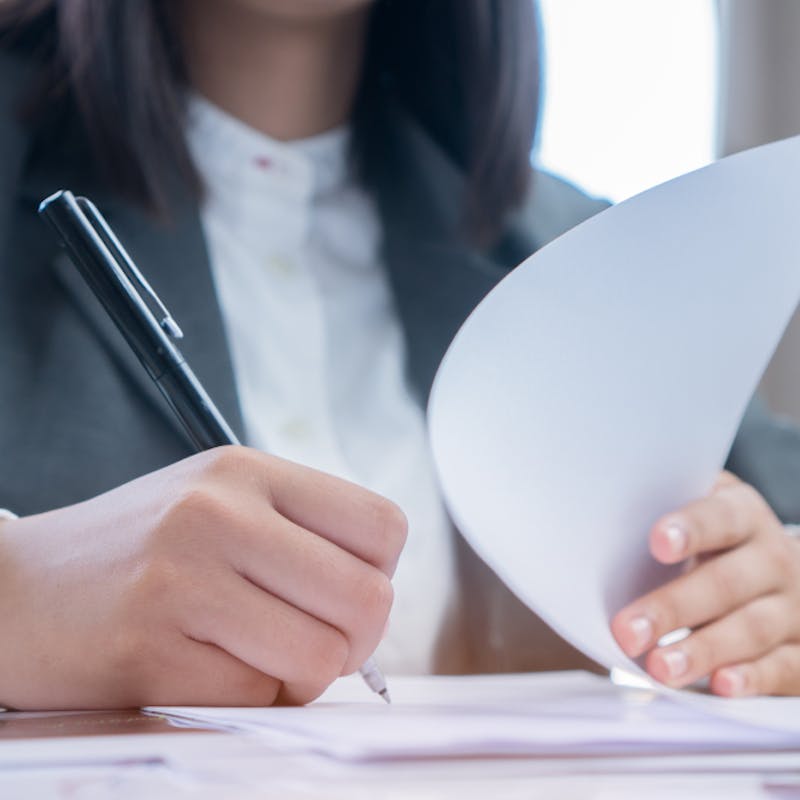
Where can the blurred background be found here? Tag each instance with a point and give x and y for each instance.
(659, 88)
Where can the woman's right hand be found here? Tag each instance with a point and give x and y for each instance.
(229, 578)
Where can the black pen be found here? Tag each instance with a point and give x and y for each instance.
(149, 330)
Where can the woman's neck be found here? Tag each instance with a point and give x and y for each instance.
(288, 79)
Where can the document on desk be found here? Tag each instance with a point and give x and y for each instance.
(571, 714)
(601, 383)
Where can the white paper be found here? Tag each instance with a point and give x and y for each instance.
(556, 714)
(601, 383)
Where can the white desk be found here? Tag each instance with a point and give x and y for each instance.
(244, 771)
(130, 755)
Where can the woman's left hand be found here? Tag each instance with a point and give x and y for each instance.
(741, 598)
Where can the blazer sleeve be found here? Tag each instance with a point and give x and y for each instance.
(766, 454)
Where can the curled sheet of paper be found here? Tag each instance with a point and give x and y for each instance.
(601, 383)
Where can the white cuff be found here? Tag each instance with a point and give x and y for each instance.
(792, 530)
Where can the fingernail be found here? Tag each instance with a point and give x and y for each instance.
(732, 680)
(676, 663)
(677, 539)
(642, 630)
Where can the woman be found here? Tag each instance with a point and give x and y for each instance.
(318, 293)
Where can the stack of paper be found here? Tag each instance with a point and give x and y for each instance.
(550, 714)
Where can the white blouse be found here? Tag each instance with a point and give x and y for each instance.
(317, 348)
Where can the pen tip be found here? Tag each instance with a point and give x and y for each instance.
(384, 693)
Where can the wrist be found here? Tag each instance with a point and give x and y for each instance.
(5, 514)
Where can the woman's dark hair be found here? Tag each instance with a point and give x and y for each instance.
(466, 70)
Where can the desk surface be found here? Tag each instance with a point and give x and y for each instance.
(127, 754)
(49, 725)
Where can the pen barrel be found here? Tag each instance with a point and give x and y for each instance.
(102, 261)
(195, 409)
(97, 264)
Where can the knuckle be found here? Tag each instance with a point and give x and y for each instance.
(229, 460)
(256, 689)
(757, 677)
(299, 694)
(243, 468)
(704, 654)
(370, 603)
(725, 582)
(152, 586)
(190, 506)
(773, 673)
(391, 524)
(778, 559)
(758, 626)
(726, 517)
(755, 505)
(196, 526)
(664, 611)
(376, 594)
(746, 494)
(725, 479)
(725, 509)
(223, 459)
(326, 657)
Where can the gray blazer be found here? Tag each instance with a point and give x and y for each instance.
(78, 414)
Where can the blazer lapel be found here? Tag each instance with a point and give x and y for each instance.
(13, 140)
(173, 257)
(437, 276)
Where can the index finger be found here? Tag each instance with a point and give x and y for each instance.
(365, 524)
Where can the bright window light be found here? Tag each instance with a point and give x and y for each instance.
(630, 91)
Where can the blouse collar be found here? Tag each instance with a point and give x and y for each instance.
(236, 159)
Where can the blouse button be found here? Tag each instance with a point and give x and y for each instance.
(281, 265)
(296, 429)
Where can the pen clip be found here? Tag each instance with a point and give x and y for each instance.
(110, 240)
